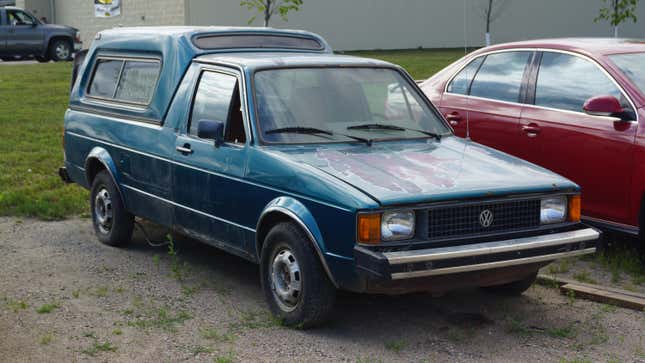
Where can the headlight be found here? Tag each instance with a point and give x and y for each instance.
(397, 225)
(553, 210)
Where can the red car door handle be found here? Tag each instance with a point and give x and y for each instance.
(531, 130)
(453, 118)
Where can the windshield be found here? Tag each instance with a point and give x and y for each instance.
(314, 105)
(633, 65)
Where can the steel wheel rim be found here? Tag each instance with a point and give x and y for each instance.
(62, 51)
(286, 280)
(103, 210)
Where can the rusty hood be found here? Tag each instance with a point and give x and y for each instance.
(394, 173)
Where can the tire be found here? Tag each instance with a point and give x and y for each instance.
(60, 50)
(42, 59)
(515, 288)
(294, 282)
(8, 59)
(112, 223)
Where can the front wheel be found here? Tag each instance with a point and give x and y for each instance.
(294, 282)
(60, 50)
(112, 223)
(515, 288)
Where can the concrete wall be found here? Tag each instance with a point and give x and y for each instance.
(80, 14)
(387, 24)
(362, 24)
(40, 8)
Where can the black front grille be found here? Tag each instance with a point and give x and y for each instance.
(452, 221)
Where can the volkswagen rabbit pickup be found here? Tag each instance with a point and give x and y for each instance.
(329, 171)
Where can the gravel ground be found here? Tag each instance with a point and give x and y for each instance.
(66, 297)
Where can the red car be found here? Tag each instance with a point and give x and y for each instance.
(570, 105)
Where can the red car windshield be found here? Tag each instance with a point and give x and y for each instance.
(633, 66)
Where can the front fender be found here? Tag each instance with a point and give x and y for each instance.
(296, 211)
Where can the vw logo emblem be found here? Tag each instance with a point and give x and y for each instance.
(486, 218)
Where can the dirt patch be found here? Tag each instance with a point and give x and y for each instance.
(66, 297)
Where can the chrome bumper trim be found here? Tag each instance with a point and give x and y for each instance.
(487, 248)
(490, 265)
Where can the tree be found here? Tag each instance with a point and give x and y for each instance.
(618, 12)
(267, 8)
(491, 13)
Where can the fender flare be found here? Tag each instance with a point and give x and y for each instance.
(102, 156)
(298, 213)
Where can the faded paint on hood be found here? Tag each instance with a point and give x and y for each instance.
(415, 172)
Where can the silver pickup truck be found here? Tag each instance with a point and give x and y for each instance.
(22, 35)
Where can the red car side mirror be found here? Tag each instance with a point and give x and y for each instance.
(605, 106)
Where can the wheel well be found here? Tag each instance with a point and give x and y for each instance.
(268, 221)
(58, 37)
(93, 167)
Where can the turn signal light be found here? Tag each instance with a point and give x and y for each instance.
(369, 228)
(574, 208)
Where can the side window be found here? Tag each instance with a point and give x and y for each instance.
(131, 81)
(17, 17)
(500, 77)
(218, 99)
(565, 82)
(138, 81)
(461, 82)
(106, 76)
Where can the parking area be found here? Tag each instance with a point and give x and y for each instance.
(66, 297)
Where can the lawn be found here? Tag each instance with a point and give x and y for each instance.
(421, 63)
(33, 102)
(32, 107)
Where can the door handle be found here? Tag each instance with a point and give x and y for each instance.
(453, 118)
(531, 130)
(185, 149)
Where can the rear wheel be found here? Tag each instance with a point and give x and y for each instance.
(293, 280)
(515, 288)
(112, 223)
(60, 50)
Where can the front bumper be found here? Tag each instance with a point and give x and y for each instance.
(407, 264)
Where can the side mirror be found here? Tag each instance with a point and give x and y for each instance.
(208, 129)
(606, 106)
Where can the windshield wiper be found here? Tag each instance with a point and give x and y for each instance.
(392, 127)
(314, 131)
(299, 130)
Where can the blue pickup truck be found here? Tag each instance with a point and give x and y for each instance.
(23, 35)
(329, 171)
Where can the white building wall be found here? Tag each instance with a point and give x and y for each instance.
(80, 14)
(365, 24)
(387, 24)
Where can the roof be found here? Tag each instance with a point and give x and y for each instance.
(589, 46)
(151, 36)
(269, 59)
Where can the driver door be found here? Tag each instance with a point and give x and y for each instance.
(206, 178)
(24, 34)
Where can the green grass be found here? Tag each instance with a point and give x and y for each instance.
(420, 63)
(33, 102)
(47, 308)
(32, 107)
(99, 347)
